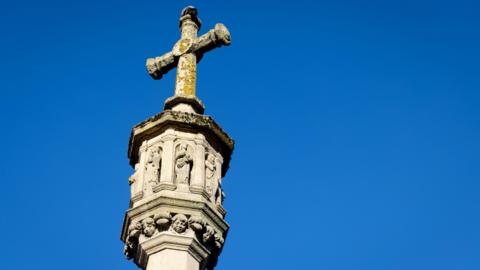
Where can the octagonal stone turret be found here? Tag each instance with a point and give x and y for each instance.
(180, 158)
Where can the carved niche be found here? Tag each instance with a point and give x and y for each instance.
(211, 183)
(213, 179)
(153, 164)
(183, 164)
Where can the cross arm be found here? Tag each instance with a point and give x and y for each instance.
(161, 65)
(217, 37)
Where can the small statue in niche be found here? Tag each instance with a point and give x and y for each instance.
(210, 169)
(153, 165)
(179, 223)
(183, 165)
(219, 195)
(133, 180)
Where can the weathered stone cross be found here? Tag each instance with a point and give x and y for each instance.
(187, 52)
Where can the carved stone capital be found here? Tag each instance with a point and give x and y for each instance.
(160, 231)
(163, 186)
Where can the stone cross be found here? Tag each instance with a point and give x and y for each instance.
(187, 52)
(176, 219)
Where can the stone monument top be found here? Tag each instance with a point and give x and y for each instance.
(185, 55)
(175, 219)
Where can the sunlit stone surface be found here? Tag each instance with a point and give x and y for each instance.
(180, 156)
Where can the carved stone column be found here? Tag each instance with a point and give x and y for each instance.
(167, 171)
(136, 180)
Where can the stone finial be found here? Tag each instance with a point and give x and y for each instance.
(190, 12)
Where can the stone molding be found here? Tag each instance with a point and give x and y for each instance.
(137, 196)
(160, 187)
(196, 103)
(179, 231)
(201, 208)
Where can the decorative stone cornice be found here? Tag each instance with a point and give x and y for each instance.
(201, 208)
(163, 230)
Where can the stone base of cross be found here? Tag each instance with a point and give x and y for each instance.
(186, 104)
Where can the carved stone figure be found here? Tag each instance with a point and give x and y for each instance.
(219, 240)
(183, 165)
(196, 223)
(135, 182)
(133, 178)
(134, 230)
(162, 220)
(148, 226)
(220, 195)
(179, 223)
(153, 165)
(208, 234)
(210, 170)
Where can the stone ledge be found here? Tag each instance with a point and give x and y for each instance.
(136, 197)
(162, 186)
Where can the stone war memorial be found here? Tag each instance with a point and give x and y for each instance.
(176, 220)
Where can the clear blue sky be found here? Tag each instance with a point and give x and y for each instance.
(357, 127)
